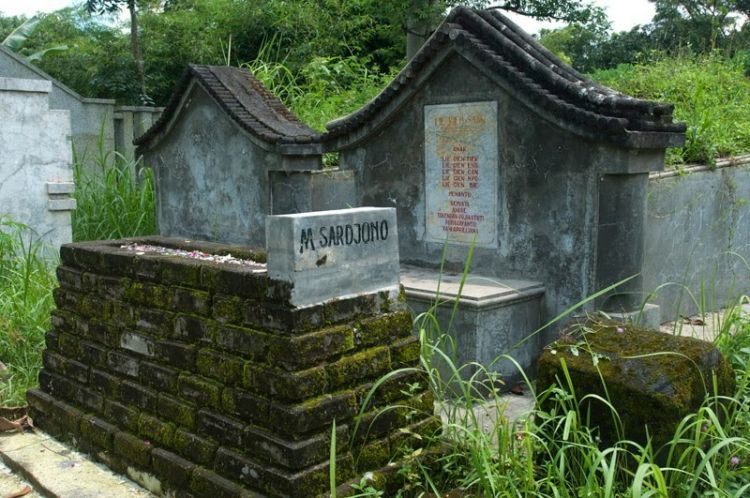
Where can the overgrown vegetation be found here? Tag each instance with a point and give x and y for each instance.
(710, 92)
(115, 200)
(26, 283)
(555, 452)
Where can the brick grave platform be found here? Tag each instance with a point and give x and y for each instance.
(202, 375)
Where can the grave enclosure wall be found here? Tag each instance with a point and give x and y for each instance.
(204, 375)
(565, 210)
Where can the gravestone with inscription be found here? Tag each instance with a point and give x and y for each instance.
(490, 147)
(329, 254)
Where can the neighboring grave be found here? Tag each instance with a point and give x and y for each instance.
(36, 174)
(486, 139)
(201, 375)
(226, 153)
(486, 144)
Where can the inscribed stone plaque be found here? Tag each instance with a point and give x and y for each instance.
(334, 254)
(461, 167)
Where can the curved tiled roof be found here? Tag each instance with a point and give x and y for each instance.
(535, 74)
(245, 100)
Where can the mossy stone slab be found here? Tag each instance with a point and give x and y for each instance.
(652, 379)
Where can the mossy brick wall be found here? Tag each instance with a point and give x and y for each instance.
(203, 375)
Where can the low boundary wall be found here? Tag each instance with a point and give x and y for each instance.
(698, 237)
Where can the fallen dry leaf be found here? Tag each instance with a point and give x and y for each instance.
(17, 425)
(517, 390)
(21, 492)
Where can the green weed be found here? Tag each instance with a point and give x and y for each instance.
(26, 283)
(710, 92)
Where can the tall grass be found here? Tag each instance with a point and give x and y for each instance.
(115, 198)
(323, 89)
(26, 283)
(554, 451)
(711, 94)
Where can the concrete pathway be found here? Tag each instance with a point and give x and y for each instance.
(54, 470)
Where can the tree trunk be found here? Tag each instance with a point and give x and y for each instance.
(417, 27)
(136, 49)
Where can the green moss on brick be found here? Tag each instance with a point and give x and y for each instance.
(156, 430)
(655, 390)
(224, 367)
(367, 364)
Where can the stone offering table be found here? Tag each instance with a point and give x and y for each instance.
(207, 379)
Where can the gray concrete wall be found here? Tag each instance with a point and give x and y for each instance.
(548, 218)
(96, 124)
(35, 171)
(697, 234)
(211, 176)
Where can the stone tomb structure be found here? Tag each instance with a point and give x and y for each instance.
(226, 153)
(485, 140)
(213, 379)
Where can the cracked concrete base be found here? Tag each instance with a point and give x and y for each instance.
(55, 470)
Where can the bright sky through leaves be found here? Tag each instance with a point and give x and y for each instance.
(624, 14)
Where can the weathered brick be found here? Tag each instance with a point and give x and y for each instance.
(137, 395)
(69, 345)
(405, 353)
(176, 470)
(97, 431)
(159, 377)
(62, 321)
(287, 386)
(39, 400)
(293, 455)
(193, 329)
(132, 448)
(249, 406)
(158, 323)
(123, 364)
(93, 354)
(312, 414)
(220, 366)
(180, 271)
(156, 430)
(243, 341)
(69, 417)
(137, 343)
(105, 383)
(57, 386)
(223, 429)
(227, 309)
(241, 282)
(122, 314)
(146, 294)
(310, 349)
(90, 399)
(199, 390)
(207, 483)
(383, 329)
(112, 287)
(125, 416)
(66, 299)
(51, 340)
(190, 301)
(194, 447)
(76, 371)
(116, 261)
(352, 369)
(147, 267)
(69, 277)
(53, 362)
(176, 410)
(177, 354)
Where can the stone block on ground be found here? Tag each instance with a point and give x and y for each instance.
(652, 379)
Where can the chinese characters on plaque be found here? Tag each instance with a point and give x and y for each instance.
(461, 168)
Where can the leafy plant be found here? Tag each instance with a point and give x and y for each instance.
(26, 283)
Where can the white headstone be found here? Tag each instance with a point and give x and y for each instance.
(334, 254)
(461, 167)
